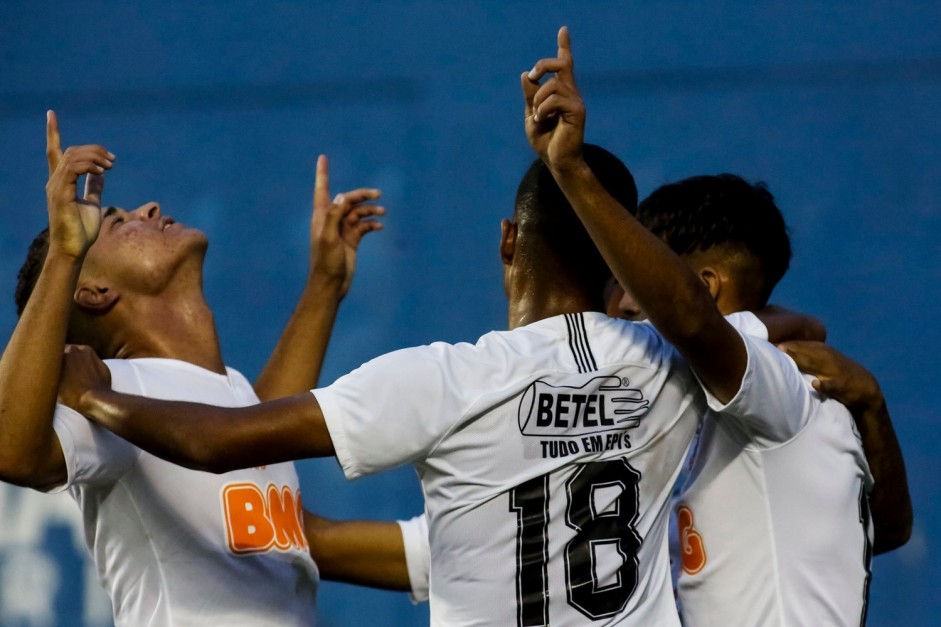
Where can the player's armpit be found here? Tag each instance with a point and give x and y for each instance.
(365, 553)
(209, 438)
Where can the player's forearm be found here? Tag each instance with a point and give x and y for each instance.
(675, 300)
(29, 376)
(365, 553)
(889, 501)
(210, 438)
(295, 364)
(784, 325)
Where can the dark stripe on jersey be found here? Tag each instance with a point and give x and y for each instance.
(865, 517)
(573, 343)
(584, 339)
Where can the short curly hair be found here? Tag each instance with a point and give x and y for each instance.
(700, 212)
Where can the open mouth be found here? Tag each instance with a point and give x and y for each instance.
(166, 223)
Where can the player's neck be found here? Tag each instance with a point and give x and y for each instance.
(172, 326)
(528, 305)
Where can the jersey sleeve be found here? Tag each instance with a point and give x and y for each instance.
(93, 455)
(417, 556)
(394, 409)
(747, 323)
(774, 402)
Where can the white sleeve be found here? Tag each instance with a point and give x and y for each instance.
(774, 402)
(747, 323)
(394, 409)
(417, 556)
(93, 455)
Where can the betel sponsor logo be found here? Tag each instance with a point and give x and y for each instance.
(258, 521)
(600, 404)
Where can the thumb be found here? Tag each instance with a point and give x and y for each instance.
(530, 88)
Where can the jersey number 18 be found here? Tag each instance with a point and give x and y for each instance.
(594, 529)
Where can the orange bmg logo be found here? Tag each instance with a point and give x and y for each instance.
(258, 521)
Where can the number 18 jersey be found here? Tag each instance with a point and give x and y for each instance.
(546, 454)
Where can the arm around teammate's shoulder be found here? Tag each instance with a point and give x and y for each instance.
(201, 437)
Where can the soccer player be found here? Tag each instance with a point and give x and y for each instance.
(733, 236)
(774, 518)
(174, 546)
(547, 453)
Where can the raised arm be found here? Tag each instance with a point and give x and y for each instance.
(202, 437)
(675, 300)
(336, 228)
(30, 453)
(850, 383)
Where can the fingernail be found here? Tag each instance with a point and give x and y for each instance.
(338, 200)
(109, 163)
(532, 74)
(111, 156)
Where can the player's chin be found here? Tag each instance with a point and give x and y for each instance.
(194, 238)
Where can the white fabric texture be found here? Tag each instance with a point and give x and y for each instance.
(174, 546)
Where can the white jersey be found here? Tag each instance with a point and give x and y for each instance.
(773, 519)
(547, 455)
(180, 547)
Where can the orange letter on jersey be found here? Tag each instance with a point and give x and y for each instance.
(247, 525)
(691, 542)
(285, 512)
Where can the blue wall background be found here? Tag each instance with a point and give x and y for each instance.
(218, 110)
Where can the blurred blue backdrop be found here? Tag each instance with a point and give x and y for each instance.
(218, 110)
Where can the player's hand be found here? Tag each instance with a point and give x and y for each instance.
(555, 113)
(82, 372)
(73, 222)
(337, 226)
(837, 376)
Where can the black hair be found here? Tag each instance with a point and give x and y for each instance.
(701, 212)
(30, 270)
(543, 210)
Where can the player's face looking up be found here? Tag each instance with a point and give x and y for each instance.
(141, 251)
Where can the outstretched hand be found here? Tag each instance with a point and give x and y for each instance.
(73, 222)
(337, 226)
(555, 113)
(82, 372)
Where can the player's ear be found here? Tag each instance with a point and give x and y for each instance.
(507, 241)
(713, 280)
(94, 297)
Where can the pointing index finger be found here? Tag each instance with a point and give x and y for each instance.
(53, 141)
(565, 44)
(322, 183)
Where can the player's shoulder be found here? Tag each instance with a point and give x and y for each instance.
(162, 377)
